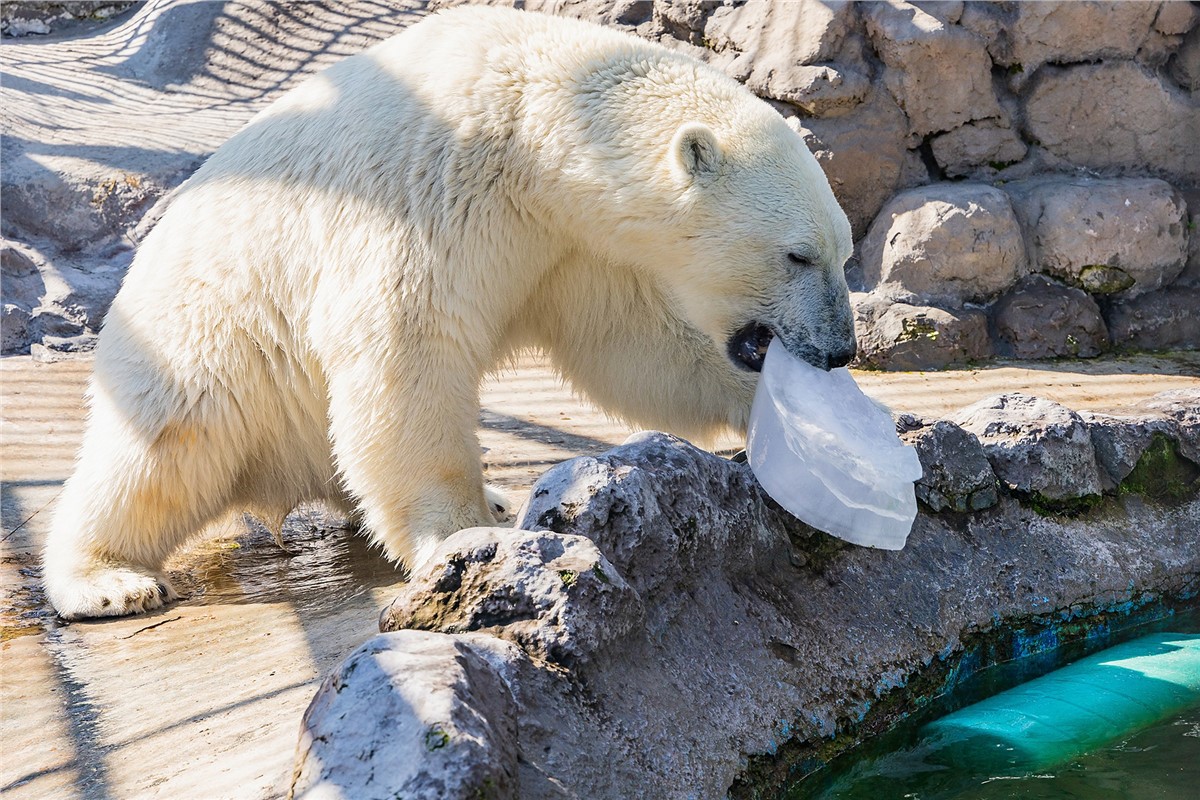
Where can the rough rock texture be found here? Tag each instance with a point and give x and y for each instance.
(862, 154)
(967, 149)
(1125, 236)
(1040, 318)
(24, 19)
(1037, 447)
(1183, 406)
(1184, 66)
(1122, 440)
(945, 242)
(898, 336)
(757, 639)
(411, 714)
(939, 74)
(1070, 112)
(556, 596)
(1061, 33)
(1165, 320)
(780, 48)
(958, 475)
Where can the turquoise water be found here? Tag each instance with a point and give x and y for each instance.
(1159, 762)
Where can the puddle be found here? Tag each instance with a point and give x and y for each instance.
(327, 562)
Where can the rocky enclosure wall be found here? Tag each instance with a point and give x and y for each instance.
(657, 627)
(1023, 179)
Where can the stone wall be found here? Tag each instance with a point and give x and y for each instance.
(1023, 179)
(657, 627)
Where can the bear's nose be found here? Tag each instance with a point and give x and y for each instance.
(839, 358)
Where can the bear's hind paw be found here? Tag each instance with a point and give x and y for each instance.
(110, 592)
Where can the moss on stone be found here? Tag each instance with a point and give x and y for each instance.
(1104, 279)
(1059, 506)
(1162, 473)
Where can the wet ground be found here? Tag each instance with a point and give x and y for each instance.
(204, 698)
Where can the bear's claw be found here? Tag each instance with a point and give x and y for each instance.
(111, 592)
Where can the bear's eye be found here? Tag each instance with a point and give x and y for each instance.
(800, 260)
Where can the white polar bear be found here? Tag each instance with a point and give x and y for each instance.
(312, 317)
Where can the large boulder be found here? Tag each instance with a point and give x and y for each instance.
(957, 475)
(786, 52)
(1023, 36)
(939, 74)
(413, 715)
(945, 242)
(1125, 236)
(862, 154)
(1071, 112)
(1039, 318)
(897, 336)
(1165, 320)
(556, 596)
(1038, 448)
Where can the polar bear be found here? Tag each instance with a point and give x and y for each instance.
(313, 315)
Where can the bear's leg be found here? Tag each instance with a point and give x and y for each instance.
(623, 345)
(142, 485)
(408, 451)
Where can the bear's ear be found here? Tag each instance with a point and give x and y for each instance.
(696, 151)
(794, 124)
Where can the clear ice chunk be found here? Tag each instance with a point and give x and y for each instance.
(829, 454)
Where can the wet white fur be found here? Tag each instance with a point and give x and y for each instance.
(312, 317)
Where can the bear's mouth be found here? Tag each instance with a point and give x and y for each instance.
(748, 347)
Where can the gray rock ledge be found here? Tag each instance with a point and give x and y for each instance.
(674, 634)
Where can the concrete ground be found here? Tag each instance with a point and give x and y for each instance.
(204, 698)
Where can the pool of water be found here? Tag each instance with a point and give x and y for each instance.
(1159, 762)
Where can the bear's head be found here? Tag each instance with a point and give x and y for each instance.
(763, 241)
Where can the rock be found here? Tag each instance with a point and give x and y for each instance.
(24, 18)
(786, 52)
(1123, 236)
(24, 291)
(945, 242)
(778, 36)
(1039, 318)
(976, 147)
(683, 19)
(1183, 406)
(763, 642)
(898, 336)
(556, 596)
(957, 475)
(1033, 34)
(946, 11)
(1069, 110)
(1164, 320)
(819, 90)
(1038, 448)
(613, 501)
(1121, 441)
(1191, 272)
(862, 155)
(1175, 17)
(1184, 65)
(14, 329)
(409, 714)
(939, 74)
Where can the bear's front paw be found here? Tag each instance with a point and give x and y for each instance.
(498, 503)
(108, 592)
